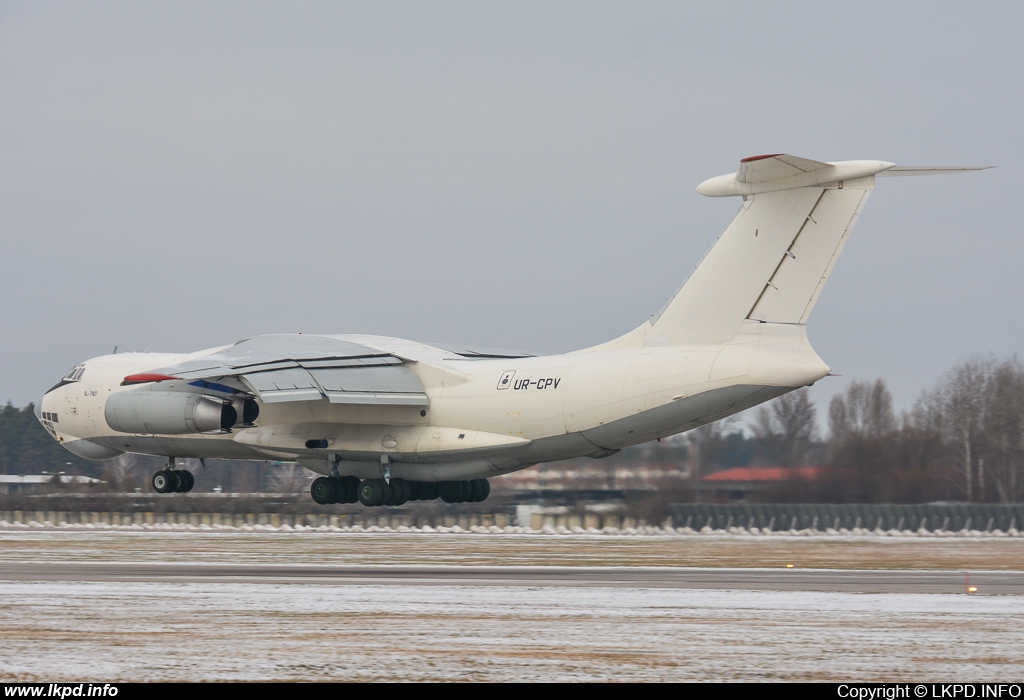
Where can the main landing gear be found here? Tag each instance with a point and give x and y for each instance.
(334, 489)
(379, 492)
(171, 480)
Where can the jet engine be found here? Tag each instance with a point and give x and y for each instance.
(168, 413)
(246, 412)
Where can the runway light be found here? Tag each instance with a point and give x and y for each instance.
(789, 566)
(972, 589)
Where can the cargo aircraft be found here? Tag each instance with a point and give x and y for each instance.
(385, 420)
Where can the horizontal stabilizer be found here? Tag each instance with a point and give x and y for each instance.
(775, 167)
(900, 170)
(780, 171)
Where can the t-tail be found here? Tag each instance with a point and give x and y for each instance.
(774, 259)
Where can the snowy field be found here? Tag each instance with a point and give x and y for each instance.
(140, 631)
(54, 631)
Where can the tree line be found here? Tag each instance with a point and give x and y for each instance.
(963, 440)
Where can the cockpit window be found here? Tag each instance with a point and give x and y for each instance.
(73, 376)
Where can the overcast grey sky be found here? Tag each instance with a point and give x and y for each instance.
(178, 175)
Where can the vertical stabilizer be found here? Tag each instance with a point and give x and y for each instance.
(772, 262)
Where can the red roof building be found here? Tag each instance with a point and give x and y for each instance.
(736, 483)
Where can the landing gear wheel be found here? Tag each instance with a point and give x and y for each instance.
(162, 482)
(402, 491)
(352, 489)
(371, 492)
(452, 491)
(391, 492)
(485, 490)
(173, 480)
(431, 491)
(475, 490)
(339, 488)
(187, 481)
(323, 490)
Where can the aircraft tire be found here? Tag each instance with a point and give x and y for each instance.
(340, 489)
(371, 492)
(187, 479)
(323, 490)
(451, 491)
(389, 493)
(161, 482)
(432, 491)
(476, 490)
(404, 491)
(396, 492)
(352, 490)
(485, 490)
(174, 480)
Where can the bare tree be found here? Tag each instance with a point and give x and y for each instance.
(863, 445)
(786, 429)
(125, 472)
(961, 392)
(1002, 432)
(865, 410)
(977, 413)
(289, 478)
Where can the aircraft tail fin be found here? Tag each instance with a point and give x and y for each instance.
(773, 260)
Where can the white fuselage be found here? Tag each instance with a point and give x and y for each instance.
(485, 416)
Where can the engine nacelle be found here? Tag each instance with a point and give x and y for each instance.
(246, 410)
(168, 413)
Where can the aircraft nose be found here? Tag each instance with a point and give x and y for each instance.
(46, 415)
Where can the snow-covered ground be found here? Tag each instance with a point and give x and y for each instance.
(189, 631)
(251, 631)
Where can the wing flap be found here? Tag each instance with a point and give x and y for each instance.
(370, 399)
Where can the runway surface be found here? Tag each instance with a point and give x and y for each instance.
(220, 606)
(844, 581)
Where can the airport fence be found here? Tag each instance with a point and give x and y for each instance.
(237, 520)
(697, 517)
(931, 517)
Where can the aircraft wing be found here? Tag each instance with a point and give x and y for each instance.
(279, 368)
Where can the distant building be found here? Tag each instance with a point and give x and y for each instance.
(27, 483)
(735, 484)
